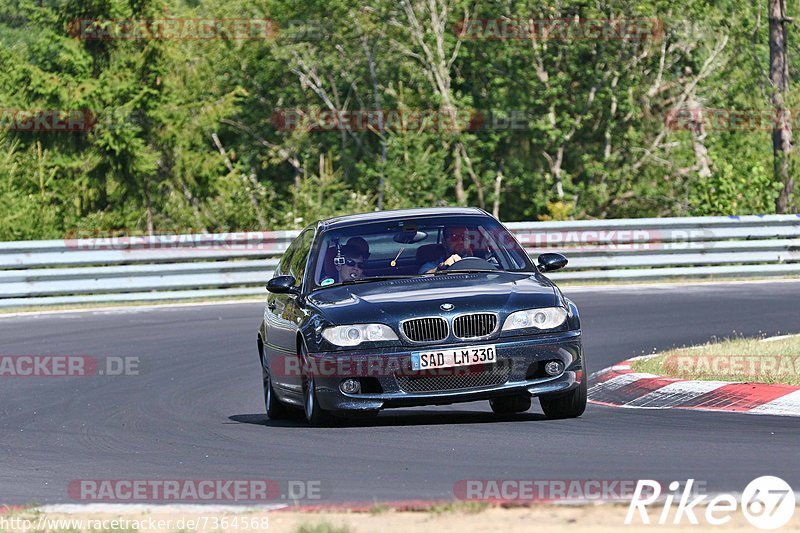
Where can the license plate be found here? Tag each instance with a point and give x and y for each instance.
(468, 355)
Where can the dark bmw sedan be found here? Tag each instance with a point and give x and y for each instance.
(417, 307)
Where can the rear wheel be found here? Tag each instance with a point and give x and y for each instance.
(510, 404)
(569, 405)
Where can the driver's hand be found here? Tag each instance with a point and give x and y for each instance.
(451, 260)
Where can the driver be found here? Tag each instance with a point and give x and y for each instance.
(350, 264)
(457, 247)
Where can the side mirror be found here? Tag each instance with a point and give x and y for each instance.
(283, 285)
(551, 261)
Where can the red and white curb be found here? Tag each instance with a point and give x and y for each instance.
(117, 508)
(620, 386)
(400, 505)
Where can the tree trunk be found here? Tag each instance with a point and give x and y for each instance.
(148, 211)
(779, 76)
(697, 128)
(381, 129)
(555, 170)
(498, 184)
(461, 197)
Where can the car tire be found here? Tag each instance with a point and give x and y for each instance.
(569, 405)
(276, 409)
(510, 404)
(315, 415)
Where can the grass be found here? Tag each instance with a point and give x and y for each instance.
(671, 280)
(148, 303)
(379, 509)
(740, 359)
(458, 507)
(323, 527)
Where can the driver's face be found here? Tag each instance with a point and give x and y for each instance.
(456, 238)
(353, 268)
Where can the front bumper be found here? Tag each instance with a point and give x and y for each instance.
(520, 353)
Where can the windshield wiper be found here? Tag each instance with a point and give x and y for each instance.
(374, 278)
(466, 271)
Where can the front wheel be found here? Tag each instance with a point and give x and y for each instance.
(276, 409)
(569, 405)
(315, 415)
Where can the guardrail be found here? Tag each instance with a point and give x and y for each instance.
(174, 267)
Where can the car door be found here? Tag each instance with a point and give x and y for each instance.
(282, 315)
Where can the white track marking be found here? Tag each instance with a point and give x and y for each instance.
(788, 404)
(619, 381)
(675, 394)
(780, 337)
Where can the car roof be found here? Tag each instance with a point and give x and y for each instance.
(399, 214)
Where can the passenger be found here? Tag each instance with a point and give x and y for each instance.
(361, 244)
(349, 263)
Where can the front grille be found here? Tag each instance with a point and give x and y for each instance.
(425, 329)
(475, 325)
(463, 377)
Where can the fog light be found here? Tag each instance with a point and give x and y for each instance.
(554, 368)
(350, 386)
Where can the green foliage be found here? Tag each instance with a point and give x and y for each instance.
(734, 190)
(322, 195)
(187, 137)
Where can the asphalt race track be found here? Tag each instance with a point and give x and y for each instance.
(195, 410)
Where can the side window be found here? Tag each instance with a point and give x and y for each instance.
(283, 264)
(293, 255)
(298, 260)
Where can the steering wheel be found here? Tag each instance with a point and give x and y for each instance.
(471, 263)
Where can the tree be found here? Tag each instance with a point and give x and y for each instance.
(779, 76)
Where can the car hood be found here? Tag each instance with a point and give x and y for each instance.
(394, 300)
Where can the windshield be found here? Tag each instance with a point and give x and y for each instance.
(415, 247)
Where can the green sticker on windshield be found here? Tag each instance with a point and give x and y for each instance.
(326, 281)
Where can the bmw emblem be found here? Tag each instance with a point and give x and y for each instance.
(447, 307)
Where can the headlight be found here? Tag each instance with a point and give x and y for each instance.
(357, 333)
(545, 318)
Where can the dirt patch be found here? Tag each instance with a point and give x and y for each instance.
(438, 519)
